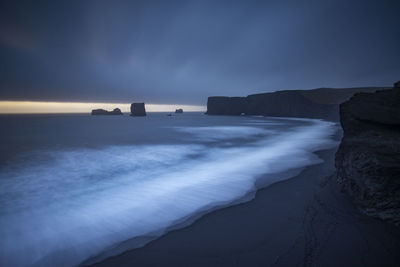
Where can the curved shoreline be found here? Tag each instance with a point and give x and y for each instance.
(264, 180)
(141, 241)
(303, 220)
(89, 218)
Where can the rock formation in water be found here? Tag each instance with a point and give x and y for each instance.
(179, 110)
(368, 158)
(138, 109)
(320, 103)
(116, 111)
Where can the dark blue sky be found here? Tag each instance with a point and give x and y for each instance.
(184, 51)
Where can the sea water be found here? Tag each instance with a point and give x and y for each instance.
(73, 187)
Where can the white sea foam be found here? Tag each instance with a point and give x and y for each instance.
(73, 205)
(217, 133)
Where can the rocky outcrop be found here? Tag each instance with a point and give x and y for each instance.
(320, 103)
(222, 105)
(116, 111)
(179, 111)
(368, 158)
(138, 109)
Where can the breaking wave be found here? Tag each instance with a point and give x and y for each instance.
(59, 208)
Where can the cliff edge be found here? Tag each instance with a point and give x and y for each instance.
(368, 158)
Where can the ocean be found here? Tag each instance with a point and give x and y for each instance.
(77, 188)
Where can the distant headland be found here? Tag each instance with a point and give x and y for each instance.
(322, 103)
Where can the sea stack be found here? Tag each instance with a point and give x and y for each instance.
(100, 111)
(368, 159)
(179, 110)
(138, 109)
(116, 111)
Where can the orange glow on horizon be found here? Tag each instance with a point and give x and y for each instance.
(35, 107)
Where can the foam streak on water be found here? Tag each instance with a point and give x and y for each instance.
(62, 207)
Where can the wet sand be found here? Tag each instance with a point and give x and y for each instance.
(303, 221)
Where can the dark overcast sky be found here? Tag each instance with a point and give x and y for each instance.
(183, 51)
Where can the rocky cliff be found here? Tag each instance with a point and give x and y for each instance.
(138, 109)
(320, 103)
(368, 158)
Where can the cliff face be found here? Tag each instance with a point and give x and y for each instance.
(288, 104)
(317, 103)
(222, 105)
(279, 104)
(368, 158)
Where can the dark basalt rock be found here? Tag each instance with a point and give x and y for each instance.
(368, 158)
(288, 104)
(179, 110)
(116, 111)
(280, 104)
(320, 103)
(99, 112)
(222, 105)
(138, 109)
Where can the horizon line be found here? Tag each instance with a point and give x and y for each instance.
(59, 107)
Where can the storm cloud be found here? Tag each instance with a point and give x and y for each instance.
(184, 51)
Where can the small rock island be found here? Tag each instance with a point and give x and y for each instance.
(100, 111)
(138, 109)
(179, 111)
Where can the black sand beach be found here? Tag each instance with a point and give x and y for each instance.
(199, 133)
(304, 221)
